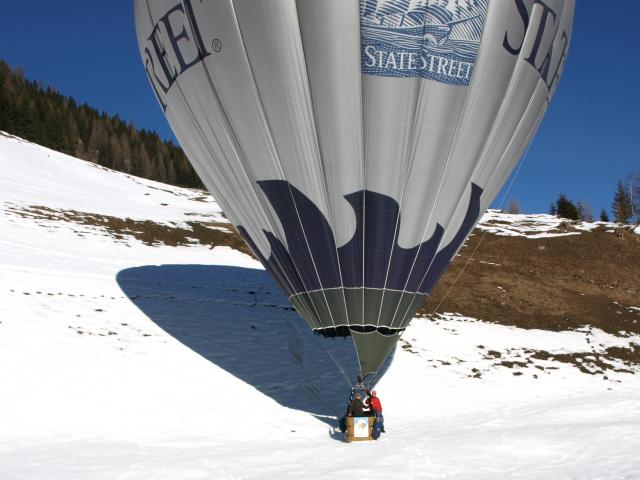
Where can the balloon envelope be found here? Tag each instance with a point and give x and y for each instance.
(354, 144)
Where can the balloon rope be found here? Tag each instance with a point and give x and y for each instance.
(484, 234)
(344, 374)
(459, 275)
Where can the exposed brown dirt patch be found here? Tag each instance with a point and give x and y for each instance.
(616, 359)
(557, 283)
(151, 233)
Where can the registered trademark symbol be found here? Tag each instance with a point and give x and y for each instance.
(216, 44)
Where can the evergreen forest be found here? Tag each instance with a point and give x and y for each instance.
(38, 113)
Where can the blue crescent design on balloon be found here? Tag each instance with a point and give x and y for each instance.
(314, 262)
(434, 39)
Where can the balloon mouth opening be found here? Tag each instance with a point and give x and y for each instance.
(345, 330)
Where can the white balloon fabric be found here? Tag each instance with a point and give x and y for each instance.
(354, 143)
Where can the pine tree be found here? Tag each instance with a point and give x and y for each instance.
(566, 209)
(80, 151)
(142, 165)
(125, 147)
(634, 191)
(115, 151)
(604, 216)
(160, 170)
(96, 139)
(73, 128)
(621, 205)
(171, 172)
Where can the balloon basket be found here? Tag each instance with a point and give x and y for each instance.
(359, 429)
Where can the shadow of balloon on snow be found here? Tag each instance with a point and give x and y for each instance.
(239, 320)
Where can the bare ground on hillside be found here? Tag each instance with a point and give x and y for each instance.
(212, 234)
(556, 283)
(589, 280)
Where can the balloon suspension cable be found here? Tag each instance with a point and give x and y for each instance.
(344, 374)
(484, 234)
(318, 393)
(311, 388)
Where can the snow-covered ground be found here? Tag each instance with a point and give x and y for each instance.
(122, 360)
(537, 225)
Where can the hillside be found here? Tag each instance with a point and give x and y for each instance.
(136, 343)
(39, 113)
(542, 272)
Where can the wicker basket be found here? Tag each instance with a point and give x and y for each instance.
(352, 436)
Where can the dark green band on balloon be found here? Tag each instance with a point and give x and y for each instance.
(339, 311)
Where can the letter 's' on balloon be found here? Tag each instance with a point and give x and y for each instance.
(354, 144)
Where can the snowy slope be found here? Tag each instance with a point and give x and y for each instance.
(535, 226)
(121, 359)
(35, 175)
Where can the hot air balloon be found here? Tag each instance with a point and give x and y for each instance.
(354, 143)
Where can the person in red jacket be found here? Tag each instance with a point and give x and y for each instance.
(376, 407)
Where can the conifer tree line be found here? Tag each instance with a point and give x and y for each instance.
(41, 115)
(625, 205)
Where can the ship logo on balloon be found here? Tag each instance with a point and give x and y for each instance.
(432, 39)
